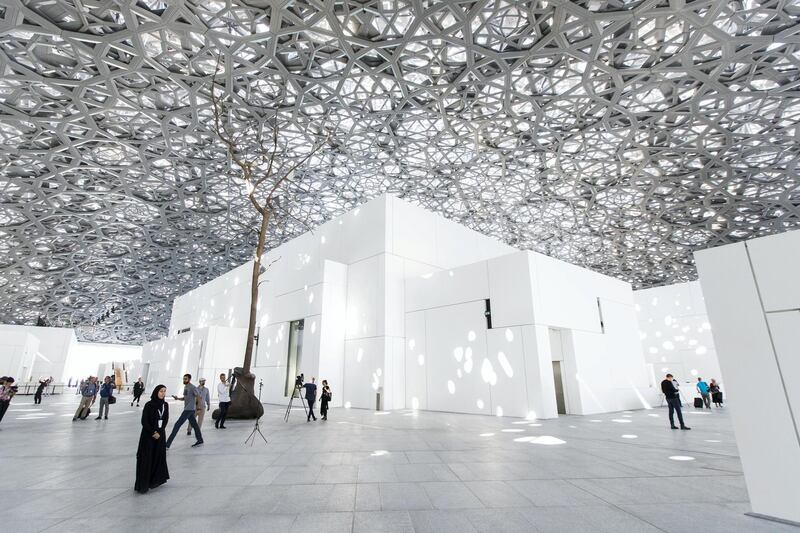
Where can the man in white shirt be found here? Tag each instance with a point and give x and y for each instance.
(224, 392)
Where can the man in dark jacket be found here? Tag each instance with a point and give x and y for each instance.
(673, 401)
(311, 397)
(138, 389)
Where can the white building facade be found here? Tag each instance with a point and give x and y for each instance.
(400, 308)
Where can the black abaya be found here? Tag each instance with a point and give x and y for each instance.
(151, 457)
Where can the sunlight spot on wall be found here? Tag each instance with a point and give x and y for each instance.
(653, 350)
(458, 373)
(450, 273)
(421, 359)
(471, 336)
(359, 355)
(379, 372)
(314, 327)
(487, 372)
(347, 405)
(412, 343)
(468, 365)
(322, 239)
(499, 411)
(509, 335)
(458, 353)
(531, 415)
(415, 403)
(694, 372)
(667, 345)
(479, 403)
(701, 350)
(429, 275)
(505, 364)
(451, 387)
(311, 297)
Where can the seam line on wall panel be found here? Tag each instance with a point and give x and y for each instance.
(772, 343)
(445, 305)
(782, 311)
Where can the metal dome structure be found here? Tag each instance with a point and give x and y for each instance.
(618, 135)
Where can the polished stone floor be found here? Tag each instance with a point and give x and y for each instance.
(373, 472)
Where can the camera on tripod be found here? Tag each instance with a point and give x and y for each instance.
(298, 381)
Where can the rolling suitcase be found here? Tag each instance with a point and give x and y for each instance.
(698, 403)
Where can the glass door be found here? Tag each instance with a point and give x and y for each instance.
(294, 356)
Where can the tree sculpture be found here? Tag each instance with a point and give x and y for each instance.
(265, 160)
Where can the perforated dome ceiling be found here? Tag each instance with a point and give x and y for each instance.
(617, 135)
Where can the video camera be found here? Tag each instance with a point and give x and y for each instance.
(298, 380)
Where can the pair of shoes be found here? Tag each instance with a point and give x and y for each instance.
(685, 427)
(315, 419)
(673, 427)
(98, 418)
(132, 404)
(196, 444)
(222, 427)
(309, 419)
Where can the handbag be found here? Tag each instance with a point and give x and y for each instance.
(112, 400)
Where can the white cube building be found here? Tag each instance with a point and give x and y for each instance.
(393, 300)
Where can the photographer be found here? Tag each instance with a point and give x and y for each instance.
(7, 391)
(311, 397)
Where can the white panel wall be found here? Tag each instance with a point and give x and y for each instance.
(17, 352)
(332, 327)
(416, 359)
(755, 332)
(675, 333)
(445, 287)
(364, 371)
(506, 354)
(511, 290)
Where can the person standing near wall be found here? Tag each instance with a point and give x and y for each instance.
(138, 389)
(224, 392)
(7, 391)
(203, 403)
(37, 396)
(88, 392)
(106, 391)
(673, 401)
(702, 388)
(311, 397)
(326, 397)
(151, 456)
(716, 393)
(189, 405)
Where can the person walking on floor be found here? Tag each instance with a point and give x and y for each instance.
(702, 388)
(151, 456)
(138, 389)
(106, 392)
(88, 392)
(716, 393)
(673, 401)
(203, 403)
(224, 392)
(37, 397)
(189, 405)
(311, 397)
(7, 391)
(326, 397)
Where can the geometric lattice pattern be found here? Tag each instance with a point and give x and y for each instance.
(617, 135)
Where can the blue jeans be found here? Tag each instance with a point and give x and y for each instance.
(675, 405)
(186, 415)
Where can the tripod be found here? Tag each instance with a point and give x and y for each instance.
(257, 427)
(296, 391)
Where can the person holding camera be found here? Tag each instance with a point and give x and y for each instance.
(7, 391)
(106, 392)
(189, 405)
(37, 396)
(326, 397)
(224, 392)
(311, 397)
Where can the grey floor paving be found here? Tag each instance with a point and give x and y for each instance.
(362, 471)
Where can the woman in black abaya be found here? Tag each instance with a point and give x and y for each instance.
(151, 457)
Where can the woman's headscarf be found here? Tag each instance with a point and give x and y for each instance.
(154, 396)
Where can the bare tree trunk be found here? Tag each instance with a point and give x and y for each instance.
(251, 326)
(244, 402)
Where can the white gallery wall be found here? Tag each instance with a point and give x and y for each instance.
(676, 334)
(33, 352)
(393, 298)
(753, 301)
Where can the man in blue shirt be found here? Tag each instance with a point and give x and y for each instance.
(702, 388)
(311, 397)
(106, 391)
(88, 393)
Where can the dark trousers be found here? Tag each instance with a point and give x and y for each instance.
(223, 413)
(4, 407)
(311, 408)
(323, 409)
(37, 398)
(136, 396)
(186, 415)
(675, 405)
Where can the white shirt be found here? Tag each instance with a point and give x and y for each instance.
(222, 390)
